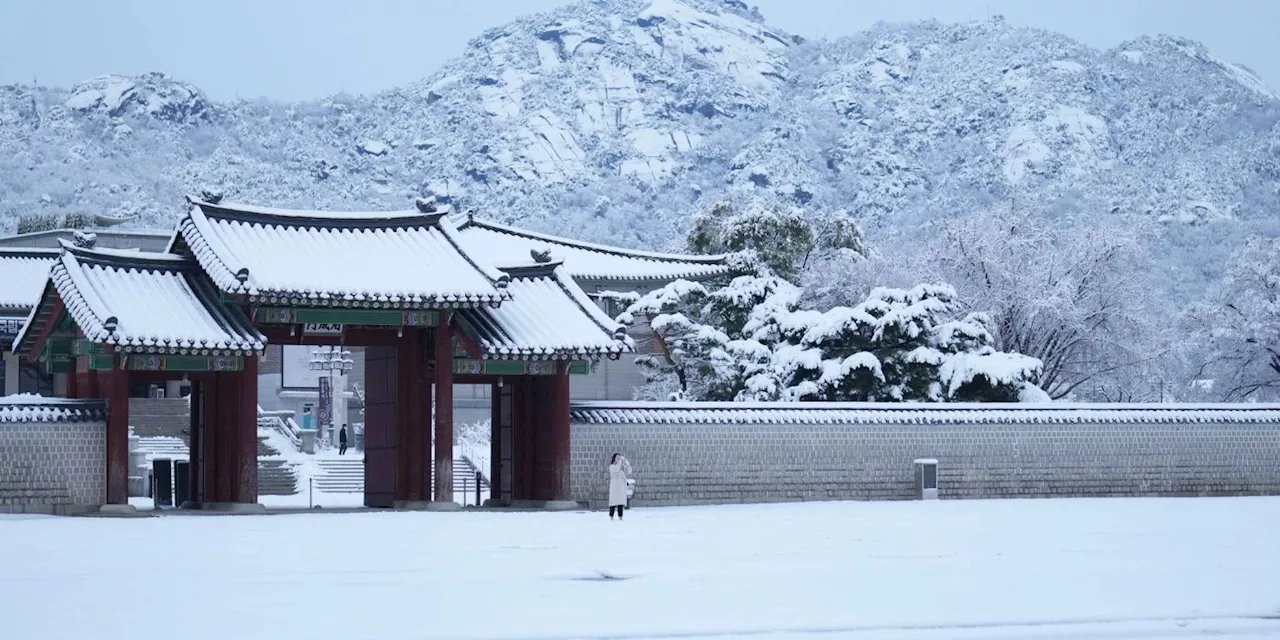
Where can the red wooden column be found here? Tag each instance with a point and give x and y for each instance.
(117, 384)
(73, 379)
(245, 484)
(211, 445)
(444, 411)
(558, 419)
(195, 470)
(412, 450)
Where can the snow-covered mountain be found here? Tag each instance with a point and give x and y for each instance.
(614, 120)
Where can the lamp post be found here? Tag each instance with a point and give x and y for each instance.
(335, 361)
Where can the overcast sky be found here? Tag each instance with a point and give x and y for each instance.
(302, 49)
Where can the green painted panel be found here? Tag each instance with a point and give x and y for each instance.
(101, 362)
(83, 347)
(58, 364)
(57, 347)
(147, 362)
(467, 366)
(366, 317)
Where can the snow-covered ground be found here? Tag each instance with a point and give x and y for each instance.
(1074, 569)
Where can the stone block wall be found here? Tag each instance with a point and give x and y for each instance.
(52, 467)
(686, 456)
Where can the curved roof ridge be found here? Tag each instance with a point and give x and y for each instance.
(294, 217)
(590, 246)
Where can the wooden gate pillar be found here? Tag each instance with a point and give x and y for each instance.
(244, 489)
(381, 448)
(558, 418)
(412, 482)
(444, 412)
(117, 384)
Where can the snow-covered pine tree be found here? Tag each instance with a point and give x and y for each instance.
(749, 338)
(898, 345)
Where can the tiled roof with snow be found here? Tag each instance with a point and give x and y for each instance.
(23, 273)
(503, 246)
(777, 413)
(32, 408)
(149, 302)
(548, 316)
(400, 260)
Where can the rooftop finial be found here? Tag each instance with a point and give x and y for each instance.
(212, 197)
(541, 257)
(84, 240)
(426, 205)
(242, 275)
(110, 324)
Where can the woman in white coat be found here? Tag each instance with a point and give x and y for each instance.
(619, 469)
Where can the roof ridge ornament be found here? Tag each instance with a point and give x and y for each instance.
(242, 276)
(425, 205)
(540, 257)
(210, 196)
(110, 324)
(84, 240)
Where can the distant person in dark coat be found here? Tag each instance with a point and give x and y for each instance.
(342, 440)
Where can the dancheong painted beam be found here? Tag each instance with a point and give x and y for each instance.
(349, 317)
(467, 366)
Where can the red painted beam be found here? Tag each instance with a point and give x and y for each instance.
(43, 333)
(245, 483)
(117, 435)
(560, 435)
(444, 415)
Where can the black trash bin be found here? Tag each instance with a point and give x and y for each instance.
(162, 482)
(181, 482)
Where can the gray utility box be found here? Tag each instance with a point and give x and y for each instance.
(926, 478)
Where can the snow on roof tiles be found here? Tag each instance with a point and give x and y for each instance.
(23, 273)
(32, 408)
(502, 246)
(752, 413)
(156, 302)
(548, 315)
(401, 259)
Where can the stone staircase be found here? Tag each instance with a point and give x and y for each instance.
(346, 475)
(160, 417)
(340, 475)
(275, 477)
(164, 447)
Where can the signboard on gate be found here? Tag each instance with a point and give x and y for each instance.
(316, 329)
(9, 327)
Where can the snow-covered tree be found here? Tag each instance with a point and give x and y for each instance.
(786, 238)
(898, 345)
(749, 340)
(1069, 296)
(1240, 325)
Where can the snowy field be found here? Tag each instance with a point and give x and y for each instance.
(1070, 569)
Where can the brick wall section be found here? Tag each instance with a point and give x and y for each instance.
(52, 466)
(692, 463)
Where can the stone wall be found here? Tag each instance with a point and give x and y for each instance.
(711, 453)
(52, 456)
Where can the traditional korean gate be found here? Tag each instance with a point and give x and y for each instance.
(380, 427)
